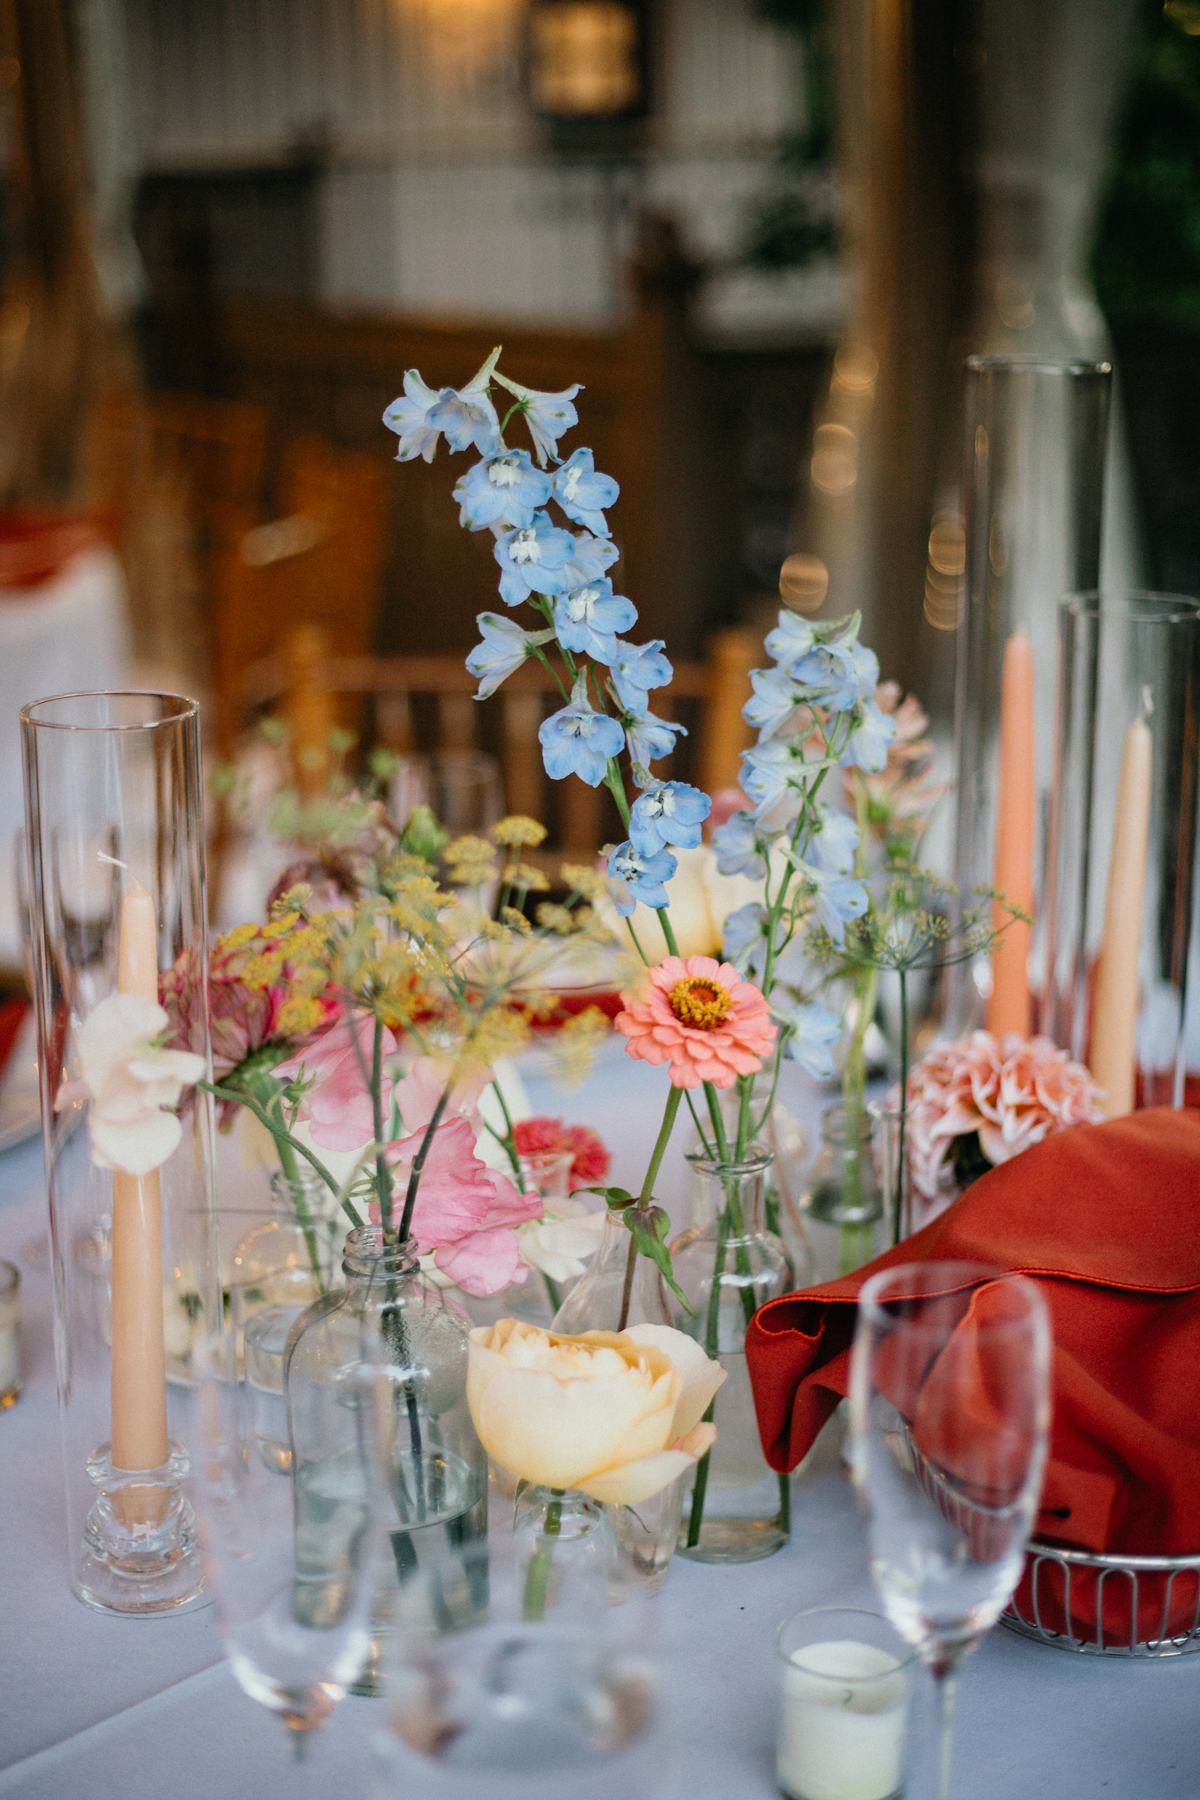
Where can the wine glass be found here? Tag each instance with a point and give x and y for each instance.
(949, 1415)
(293, 1592)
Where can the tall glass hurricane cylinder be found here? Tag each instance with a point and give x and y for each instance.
(1033, 484)
(113, 804)
(1120, 893)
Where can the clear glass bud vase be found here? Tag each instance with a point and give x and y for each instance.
(279, 1268)
(620, 1289)
(567, 1553)
(844, 1206)
(388, 1315)
(738, 1509)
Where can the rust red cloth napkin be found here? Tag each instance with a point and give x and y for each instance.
(1106, 1219)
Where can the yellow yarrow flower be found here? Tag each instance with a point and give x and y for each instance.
(519, 829)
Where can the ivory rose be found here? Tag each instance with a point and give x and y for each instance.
(616, 1414)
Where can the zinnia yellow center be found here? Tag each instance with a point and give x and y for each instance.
(700, 1003)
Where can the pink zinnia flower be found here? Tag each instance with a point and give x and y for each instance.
(702, 1018)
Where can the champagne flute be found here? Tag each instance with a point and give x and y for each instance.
(949, 1416)
(293, 1595)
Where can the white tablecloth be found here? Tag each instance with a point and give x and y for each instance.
(109, 1709)
(67, 635)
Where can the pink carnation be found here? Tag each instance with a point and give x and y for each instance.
(1013, 1095)
(546, 1137)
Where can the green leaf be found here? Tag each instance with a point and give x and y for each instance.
(617, 1197)
(650, 1225)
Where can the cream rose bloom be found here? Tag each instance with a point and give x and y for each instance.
(616, 1414)
(701, 900)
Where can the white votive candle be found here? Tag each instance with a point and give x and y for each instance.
(10, 1334)
(843, 1720)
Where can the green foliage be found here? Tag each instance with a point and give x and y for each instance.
(1146, 259)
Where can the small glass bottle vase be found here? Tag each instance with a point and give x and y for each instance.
(621, 1289)
(738, 1509)
(844, 1206)
(387, 1314)
(279, 1268)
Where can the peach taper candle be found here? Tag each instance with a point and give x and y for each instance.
(139, 1379)
(1009, 1006)
(1114, 1014)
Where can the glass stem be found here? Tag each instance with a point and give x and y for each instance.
(945, 1677)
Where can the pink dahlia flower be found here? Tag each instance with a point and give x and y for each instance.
(1011, 1095)
(702, 1018)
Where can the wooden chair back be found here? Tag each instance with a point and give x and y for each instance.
(179, 475)
(403, 688)
(314, 571)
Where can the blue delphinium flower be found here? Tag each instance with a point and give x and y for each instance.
(744, 942)
(547, 415)
(578, 740)
(870, 739)
(639, 877)
(582, 492)
(505, 489)
(814, 1032)
(533, 560)
(590, 558)
(635, 669)
(588, 618)
(774, 700)
(667, 812)
(739, 847)
(771, 772)
(836, 899)
(792, 639)
(466, 415)
(650, 739)
(409, 416)
(833, 842)
(504, 648)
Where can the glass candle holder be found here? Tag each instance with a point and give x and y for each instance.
(10, 1335)
(114, 832)
(845, 1685)
(1033, 484)
(1119, 900)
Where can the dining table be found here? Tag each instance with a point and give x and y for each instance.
(105, 1708)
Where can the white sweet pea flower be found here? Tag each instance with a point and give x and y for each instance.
(561, 1243)
(132, 1080)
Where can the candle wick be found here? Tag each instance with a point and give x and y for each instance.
(113, 862)
(1147, 703)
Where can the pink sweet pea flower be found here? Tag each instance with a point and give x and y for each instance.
(464, 1212)
(338, 1105)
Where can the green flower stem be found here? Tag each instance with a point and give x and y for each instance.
(508, 1141)
(664, 1133)
(896, 1220)
(414, 1179)
(627, 1289)
(552, 1294)
(241, 1098)
(712, 1339)
(291, 1174)
(383, 1175)
(537, 1578)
